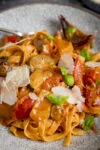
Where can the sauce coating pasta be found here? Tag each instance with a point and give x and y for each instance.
(49, 85)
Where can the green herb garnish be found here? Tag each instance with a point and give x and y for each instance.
(88, 123)
(57, 99)
(64, 71)
(84, 53)
(70, 31)
(98, 82)
(69, 80)
(49, 37)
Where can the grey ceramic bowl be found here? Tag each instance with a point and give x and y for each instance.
(36, 17)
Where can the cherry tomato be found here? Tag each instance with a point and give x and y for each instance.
(12, 38)
(90, 73)
(23, 109)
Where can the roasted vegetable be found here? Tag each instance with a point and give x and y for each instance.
(38, 77)
(42, 61)
(3, 66)
(79, 39)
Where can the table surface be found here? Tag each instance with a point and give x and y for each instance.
(5, 4)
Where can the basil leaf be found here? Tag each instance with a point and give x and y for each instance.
(57, 99)
(88, 123)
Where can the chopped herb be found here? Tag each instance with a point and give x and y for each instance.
(84, 53)
(88, 123)
(64, 71)
(70, 31)
(69, 79)
(98, 82)
(57, 99)
(49, 37)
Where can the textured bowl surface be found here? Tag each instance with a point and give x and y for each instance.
(37, 17)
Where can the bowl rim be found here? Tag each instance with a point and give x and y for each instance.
(51, 2)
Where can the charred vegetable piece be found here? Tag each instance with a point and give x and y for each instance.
(85, 42)
(3, 60)
(3, 66)
(38, 43)
(76, 36)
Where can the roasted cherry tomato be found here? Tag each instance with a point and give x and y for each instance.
(12, 38)
(23, 109)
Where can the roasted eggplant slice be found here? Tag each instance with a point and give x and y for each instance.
(78, 38)
(3, 66)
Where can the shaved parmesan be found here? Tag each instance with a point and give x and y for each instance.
(67, 62)
(8, 93)
(45, 49)
(92, 64)
(77, 94)
(64, 92)
(33, 96)
(74, 95)
(18, 76)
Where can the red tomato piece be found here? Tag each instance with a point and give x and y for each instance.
(90, 74)
(88, 94)
(23, 109)
(12, 38)
(78, 73)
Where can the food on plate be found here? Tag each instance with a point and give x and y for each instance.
(49, 85)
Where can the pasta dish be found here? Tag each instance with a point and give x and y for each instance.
(50, 85)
